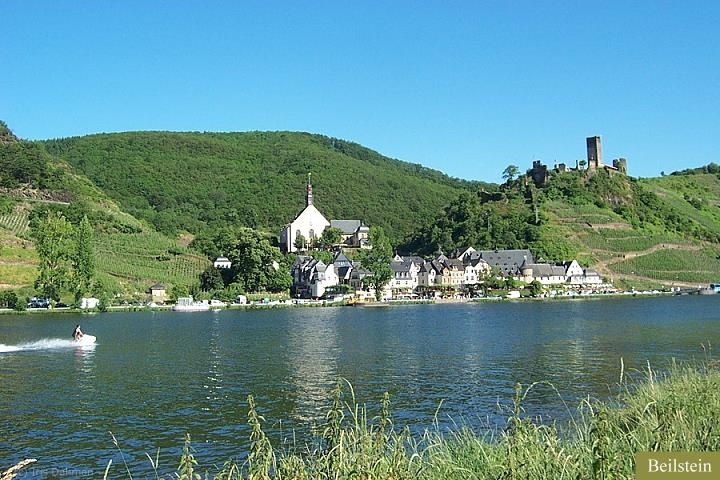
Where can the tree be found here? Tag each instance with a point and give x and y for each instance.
(211, 279)
(300, 242)
(256, 265)
(535, 288)
(330, 237)
(9, 299)
(377, 260)
(510, 173)
(55, 244)
(82, 261)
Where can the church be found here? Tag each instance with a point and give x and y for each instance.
(310, 224)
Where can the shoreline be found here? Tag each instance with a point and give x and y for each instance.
(322, 304)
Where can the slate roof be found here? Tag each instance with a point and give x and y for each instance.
(546, 270)
(348, 227)
(403, 266)
(508, 261)
(414, 259)
(341, 260)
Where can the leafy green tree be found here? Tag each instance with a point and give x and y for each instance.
(535, 288)
(377, 260)
(55, 244)
(9, 299)
(331, 237)
(510, 173)
(301, 242)
(178, 291)
(211, 279)
(83, 263)
(256, 265)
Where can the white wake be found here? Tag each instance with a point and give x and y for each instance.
(43, 344)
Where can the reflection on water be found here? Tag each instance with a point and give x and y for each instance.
(155, 376)
(312, 360)
(214, 378)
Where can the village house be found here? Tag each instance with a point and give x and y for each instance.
(310, 224)
(542, 272)
(158, 293)
(311, 277)
(222, 262)
(506, 262)
(405, 274)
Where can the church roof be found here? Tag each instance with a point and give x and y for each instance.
(348, 227)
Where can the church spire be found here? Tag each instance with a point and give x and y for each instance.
(309, 198)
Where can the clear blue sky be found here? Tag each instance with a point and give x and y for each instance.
(466, 87)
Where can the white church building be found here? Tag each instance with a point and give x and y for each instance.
(311, 224)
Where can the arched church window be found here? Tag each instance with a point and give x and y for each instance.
(312, 234)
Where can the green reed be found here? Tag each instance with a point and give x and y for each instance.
(678, 410)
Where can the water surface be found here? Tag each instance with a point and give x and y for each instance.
(154, 376)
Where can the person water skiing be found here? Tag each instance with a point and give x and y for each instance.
(77, 333)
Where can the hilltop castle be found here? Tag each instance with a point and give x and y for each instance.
(540, 173)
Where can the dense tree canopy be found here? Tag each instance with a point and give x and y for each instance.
(197, 182)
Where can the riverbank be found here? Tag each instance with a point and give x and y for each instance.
(674, 412)
(345, 303)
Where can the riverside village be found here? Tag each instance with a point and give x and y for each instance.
(458, 275)
(330, 261)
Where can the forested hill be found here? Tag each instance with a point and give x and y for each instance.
(192, 181)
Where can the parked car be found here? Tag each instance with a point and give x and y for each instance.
(38, 302)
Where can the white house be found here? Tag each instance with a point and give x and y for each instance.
(405, 274)
(222, 262)
(475, 271)
(577, 275)
(311, 277)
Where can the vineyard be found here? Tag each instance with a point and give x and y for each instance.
(622, 241)
(17, 222)
(18, 261)
(701, 266)
(145, 257)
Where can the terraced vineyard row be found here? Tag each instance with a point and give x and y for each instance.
(149, 255)
(17, 223)
(624, 240)
(702, 266)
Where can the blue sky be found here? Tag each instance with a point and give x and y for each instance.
(466, 87)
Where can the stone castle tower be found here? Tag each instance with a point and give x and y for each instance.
(594, 153)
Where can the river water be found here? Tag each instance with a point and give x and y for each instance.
(153, 376)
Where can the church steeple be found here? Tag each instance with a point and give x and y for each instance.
(309, 198)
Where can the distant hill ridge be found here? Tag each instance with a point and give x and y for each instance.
(194, 181)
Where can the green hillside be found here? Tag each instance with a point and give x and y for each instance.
(191, 181)
(129, 254)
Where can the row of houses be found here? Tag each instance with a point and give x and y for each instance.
(460, 271)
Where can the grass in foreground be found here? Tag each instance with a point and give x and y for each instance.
(677, 411)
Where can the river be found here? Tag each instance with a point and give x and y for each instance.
(153, 376)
